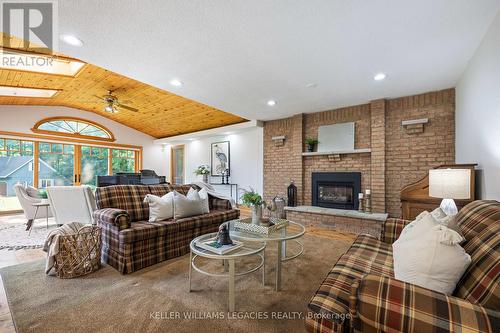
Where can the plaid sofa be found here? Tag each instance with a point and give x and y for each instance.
(360, 294)
(130, 242)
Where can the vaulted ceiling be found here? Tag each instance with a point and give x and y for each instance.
(161, 113)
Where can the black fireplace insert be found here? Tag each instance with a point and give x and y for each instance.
(336, 189)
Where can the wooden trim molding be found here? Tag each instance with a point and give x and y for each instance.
(61, 139)
(74, 135)
(36, 154)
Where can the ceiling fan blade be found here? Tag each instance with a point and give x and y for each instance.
(99, 97)
(127, 107)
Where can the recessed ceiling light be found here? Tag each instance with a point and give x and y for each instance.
(176, 83)
(72, 40)
(271, 102)
(379, 77)
(311, 85)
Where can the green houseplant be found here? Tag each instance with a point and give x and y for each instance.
(253, 199)
(310, 143)
(42, 193)
(203, 170)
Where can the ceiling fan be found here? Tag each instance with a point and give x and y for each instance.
(113, 104)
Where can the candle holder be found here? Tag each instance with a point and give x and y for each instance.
(368, 202)
(360, 203)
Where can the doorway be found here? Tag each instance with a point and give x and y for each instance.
(177, 165)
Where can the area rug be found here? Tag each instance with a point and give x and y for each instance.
(156, 299)
(15, 237)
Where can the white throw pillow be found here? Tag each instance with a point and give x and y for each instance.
(430, 256)
(437, 214)
(185, 206)
(408, 228)
(441, 216)
(204, 198)
(160, 208)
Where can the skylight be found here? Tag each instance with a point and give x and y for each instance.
(39, 63)
(26, 92)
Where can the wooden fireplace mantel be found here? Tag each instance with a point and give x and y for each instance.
(415, 197)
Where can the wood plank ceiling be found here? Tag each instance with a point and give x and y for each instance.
(161, 113)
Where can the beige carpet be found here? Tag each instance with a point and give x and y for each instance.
(150, 300)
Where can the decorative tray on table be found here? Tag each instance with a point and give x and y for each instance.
(266, 227)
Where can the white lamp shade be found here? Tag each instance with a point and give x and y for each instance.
(449, 183)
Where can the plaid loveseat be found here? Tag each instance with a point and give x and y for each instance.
(360, 293)
(130, 242)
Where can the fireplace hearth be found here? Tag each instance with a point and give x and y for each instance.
(336, 189)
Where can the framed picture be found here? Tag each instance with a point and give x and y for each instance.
(219, 159)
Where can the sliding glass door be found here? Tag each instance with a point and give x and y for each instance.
(94, 162)
(44, 164)
(56, 165)
(16, 167)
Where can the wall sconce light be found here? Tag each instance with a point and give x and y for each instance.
(415, 126)
(278, 140)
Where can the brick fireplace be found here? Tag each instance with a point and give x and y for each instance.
(390, 152)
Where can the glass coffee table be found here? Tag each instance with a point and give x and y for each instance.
(290, 233)
(228, 260)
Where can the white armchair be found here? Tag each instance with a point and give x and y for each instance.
(27, 202)
(72, 204)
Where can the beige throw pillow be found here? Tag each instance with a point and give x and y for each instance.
(160, 208)
(185, 206)
(430, 256)
(204, 198)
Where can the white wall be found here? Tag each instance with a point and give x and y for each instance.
(22, 118)
(246, 154)
(478, 113)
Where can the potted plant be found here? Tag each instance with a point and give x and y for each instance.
(204, 171)
(42, 193)
(310, 143)
(253, 199)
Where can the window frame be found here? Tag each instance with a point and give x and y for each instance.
(36, 129)
(47, 181)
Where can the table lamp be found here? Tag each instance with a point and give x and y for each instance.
(449, 184)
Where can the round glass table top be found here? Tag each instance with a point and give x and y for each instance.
(291, 231)
(245, 250)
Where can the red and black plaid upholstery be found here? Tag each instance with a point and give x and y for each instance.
(138, 243)
(129, 198)
(388, 305)
(480, 283)
(384, 304)
(476, 216)
(331, 301)
(392, 229)
(113, 216)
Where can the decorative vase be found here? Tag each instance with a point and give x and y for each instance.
(256, 214)
(205, 178)
(310, 148)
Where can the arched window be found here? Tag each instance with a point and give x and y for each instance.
(76, 127)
